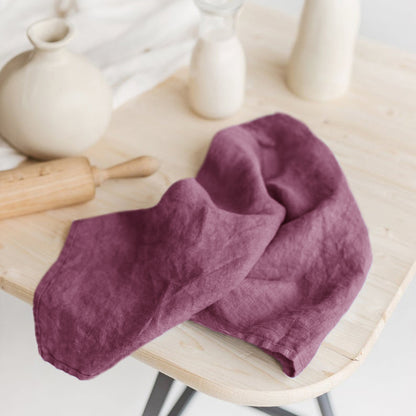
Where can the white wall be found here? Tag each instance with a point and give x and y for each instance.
(388, 21)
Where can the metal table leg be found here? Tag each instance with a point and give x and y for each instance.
(163, 384)
(275, 411)
(158, 395)
(325, 405)
(182, 402)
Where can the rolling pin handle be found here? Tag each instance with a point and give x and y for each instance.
(135, 168)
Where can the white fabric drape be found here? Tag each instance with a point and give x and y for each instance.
(136, 43)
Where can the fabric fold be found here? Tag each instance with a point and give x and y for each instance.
(266, 244)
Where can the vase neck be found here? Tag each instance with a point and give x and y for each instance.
(49, 36)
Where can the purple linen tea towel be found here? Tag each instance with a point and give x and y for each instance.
(266, 244)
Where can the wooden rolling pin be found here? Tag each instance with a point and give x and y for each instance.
(62, 182)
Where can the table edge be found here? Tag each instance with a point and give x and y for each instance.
(276, 397)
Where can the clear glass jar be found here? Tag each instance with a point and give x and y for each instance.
(218, 68)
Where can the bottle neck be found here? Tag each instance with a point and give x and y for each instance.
(217, 27)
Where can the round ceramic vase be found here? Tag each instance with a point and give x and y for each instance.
(53, 103)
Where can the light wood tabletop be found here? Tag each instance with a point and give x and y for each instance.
(372, 131)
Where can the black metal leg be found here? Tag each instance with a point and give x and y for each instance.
(158, 395)
(182, 402)
(323, 402)
(163, 384)
(275, 411)
(325, 405)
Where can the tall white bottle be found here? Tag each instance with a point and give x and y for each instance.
(218, 68)
(321, 62)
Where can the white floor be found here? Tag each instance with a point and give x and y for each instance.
(383, 386)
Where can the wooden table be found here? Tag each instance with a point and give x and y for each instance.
(372, 132)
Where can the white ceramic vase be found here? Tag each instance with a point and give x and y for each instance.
(53, 103)
(322, 57)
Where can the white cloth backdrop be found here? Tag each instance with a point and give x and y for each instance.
(136, 43)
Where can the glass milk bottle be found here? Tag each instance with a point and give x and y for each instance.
(218, 67)
(322, 58)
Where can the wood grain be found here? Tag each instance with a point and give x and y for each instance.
(371, 131)
(41, 186)
(37, 187)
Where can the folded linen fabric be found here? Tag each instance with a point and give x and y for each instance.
(266, 244)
